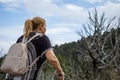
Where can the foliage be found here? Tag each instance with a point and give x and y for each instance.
(2, 75)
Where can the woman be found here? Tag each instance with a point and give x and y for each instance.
(38, 46)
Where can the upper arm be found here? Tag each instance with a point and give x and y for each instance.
(50, 55)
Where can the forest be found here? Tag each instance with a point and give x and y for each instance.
(96, 56)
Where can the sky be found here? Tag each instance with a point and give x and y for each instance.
(64, 17)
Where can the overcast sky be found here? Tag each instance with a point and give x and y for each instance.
(64, 17)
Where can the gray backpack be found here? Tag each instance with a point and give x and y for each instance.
(15, 62)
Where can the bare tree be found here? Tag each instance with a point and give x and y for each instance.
(101, 46)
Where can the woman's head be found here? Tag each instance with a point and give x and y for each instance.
(36, 24)
(39, 24)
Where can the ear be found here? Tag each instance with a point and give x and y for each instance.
(40, 27)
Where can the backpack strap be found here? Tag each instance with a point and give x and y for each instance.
(30, 66)
(37, 34)
(25, 41)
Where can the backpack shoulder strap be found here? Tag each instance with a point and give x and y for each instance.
(30, 66)
(24, 41)
(37, 34)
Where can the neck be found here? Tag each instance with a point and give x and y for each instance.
(38, 31)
